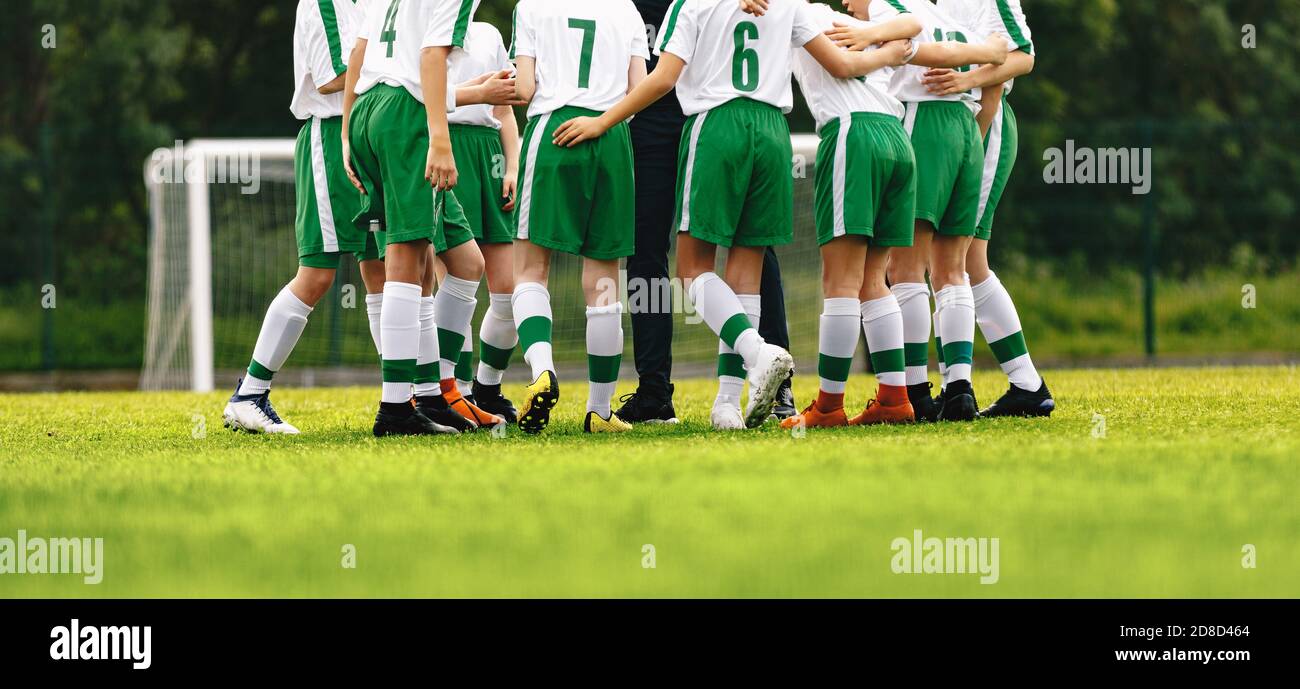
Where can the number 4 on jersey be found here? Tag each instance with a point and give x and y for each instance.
(389, 34)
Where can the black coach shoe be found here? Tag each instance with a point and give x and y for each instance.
(958, 402)
(404, 419)
(489, 399)
(436, 409)
(926, 407)
(1021, 402)
(784, 407)
(641, 407)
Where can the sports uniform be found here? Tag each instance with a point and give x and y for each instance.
(476, 138)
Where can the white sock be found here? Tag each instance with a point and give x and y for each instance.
(531, 304)
(426, 365)
(400, 323)
(956, 306)
(285, 320)
(837, 340)
(497, 339)
(996, 316)
(604, 356)
(882, 323)
(454, 303)
(914, 302)
(938, 346)
(375, 307)
(717, 304)
(731, 366)
(465, 364)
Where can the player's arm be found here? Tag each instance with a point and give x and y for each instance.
(510, 144)
(493, 88)
(863, 37)
(945, 82)
(334, 86)
(990, 103)
(349, 98)
(957, 54)
(845, 64)
(755, 7)
(440, 164)
(655, 86)
(525, 78)
(636, 73)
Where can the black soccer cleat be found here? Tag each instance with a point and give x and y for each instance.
(489, 399)
(926, 407)
(958, 402)
(436, 409)
(784, 407)
(640, 407)
(1021, 402)
(404, 419)
(539, 399)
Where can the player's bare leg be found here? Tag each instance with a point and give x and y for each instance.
(907, 280)
(600, 286)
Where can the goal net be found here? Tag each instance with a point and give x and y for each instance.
(221, 245)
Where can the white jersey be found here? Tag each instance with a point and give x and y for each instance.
(730, 54)
(936, 27)
(324, 32)
(583, 50)
(396, 31)
(830, 98)
(988, 17)
(484, 52)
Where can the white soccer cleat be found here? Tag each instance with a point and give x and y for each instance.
(254, 414)
(772, 368)
(726, 417)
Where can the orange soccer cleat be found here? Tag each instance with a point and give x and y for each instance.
(465, 408)
(877, 413)
(813, 417)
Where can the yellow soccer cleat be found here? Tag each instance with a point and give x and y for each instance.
(539, 399)
(597, 424)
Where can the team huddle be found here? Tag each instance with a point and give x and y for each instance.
(410, 158)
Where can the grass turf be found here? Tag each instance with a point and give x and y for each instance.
(1193, 464)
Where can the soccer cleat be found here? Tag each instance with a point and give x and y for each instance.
(639, 407)
(726, 417)
(435, 408)
(254, 414)
(812, 417)
(772, 368)
(469, 410)
(489, 399)
(958, 402)
(926, 408)
(877, 413)
(539, 399)
(404, 419)
(784, 407)
(1021, 402)
(594, 423)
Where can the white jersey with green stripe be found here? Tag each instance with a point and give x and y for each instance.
(583, 50)
(830, 98)
(484, 52)
(936, 26)
(730, 54)
(989, 17)
(396, 31)
(324, 32)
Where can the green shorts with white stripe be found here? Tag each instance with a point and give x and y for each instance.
(865, 180)
(327, 202)
(734, 181)
(949, 165)
(1000, 149)
(579, 200)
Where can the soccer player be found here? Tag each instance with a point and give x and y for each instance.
(485, 142)
(865, 190)
(323, 35)
(394, 113)
(732, 73)
(995, 312)
(574, 58)
(949, 163)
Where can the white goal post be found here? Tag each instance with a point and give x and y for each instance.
(221, 244)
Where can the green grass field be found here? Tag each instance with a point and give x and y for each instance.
(1193, 464)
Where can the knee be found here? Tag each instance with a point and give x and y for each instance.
(311, 284)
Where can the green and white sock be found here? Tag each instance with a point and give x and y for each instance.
(400, 324)
(996, 316)
(531, 304)
(426, 364)
(374, 310)
(285, 320)
(731, 366)
(497, 338)
(956, 308)
(837, 338)
(465, 365)
(938, 348)
(882, 323)
(454, 305)
(914, 301)
(604, 356)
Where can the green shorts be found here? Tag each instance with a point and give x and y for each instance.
(481, 164)
(326, 201)
(1000, 148)
(579, 200)
(390, 142)
(949, 165)
(735, 185)
(865, 180)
